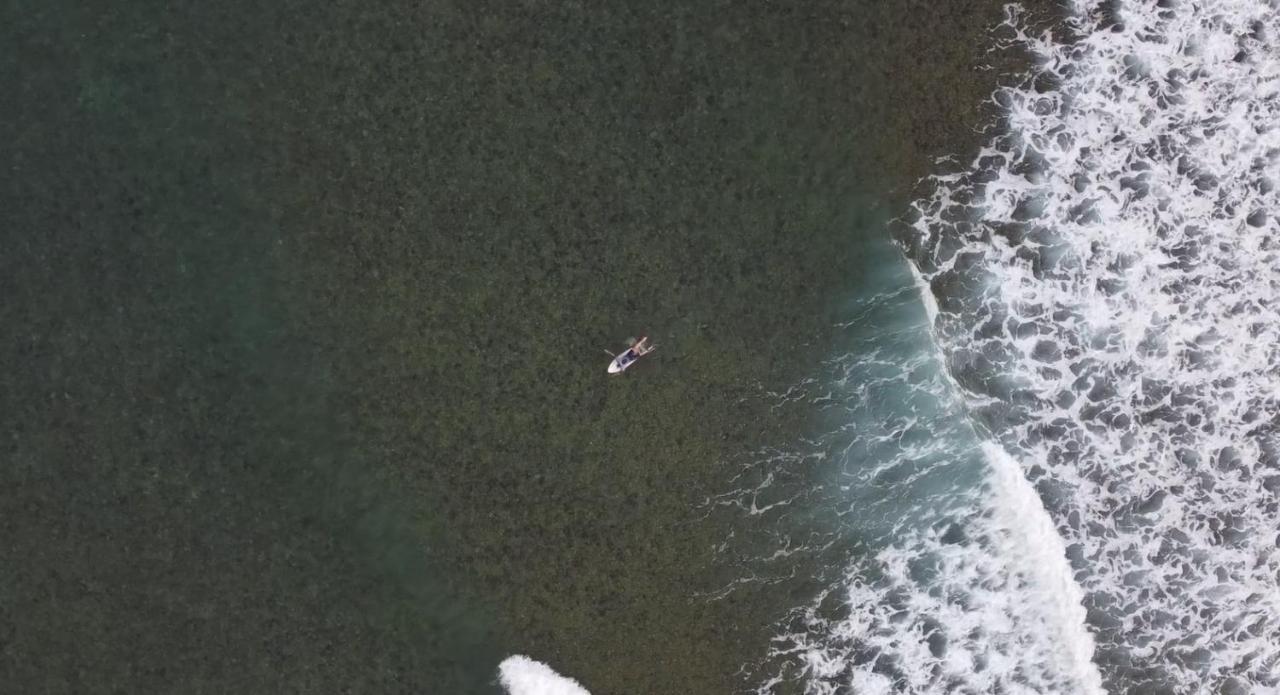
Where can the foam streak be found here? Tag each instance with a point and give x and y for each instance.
(1107, 276)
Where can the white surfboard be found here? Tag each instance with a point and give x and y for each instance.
(626, 358)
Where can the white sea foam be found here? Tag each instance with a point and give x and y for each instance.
(950, 576)
(1107, 276)
(521, 675)
(1035, 550)
(1104, 286)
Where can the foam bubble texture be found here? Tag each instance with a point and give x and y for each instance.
(1107, 277)
(940, 570)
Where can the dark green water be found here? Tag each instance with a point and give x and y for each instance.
(301, 384)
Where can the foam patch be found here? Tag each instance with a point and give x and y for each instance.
(521, 675)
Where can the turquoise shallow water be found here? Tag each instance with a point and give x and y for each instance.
(305, 390)
(917, 556)
(890, 455)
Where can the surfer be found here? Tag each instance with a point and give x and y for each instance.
(639, 348)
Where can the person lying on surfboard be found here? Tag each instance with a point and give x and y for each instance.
(626, 358)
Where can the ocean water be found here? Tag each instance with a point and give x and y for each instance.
(938, 567)
(303, 387)
(1052, 466)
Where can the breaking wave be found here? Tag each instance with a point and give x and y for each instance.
(1108, 281)
(1060, 472)
(941, 570)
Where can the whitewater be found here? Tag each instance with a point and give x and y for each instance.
(520, 675)
(1054, 461)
